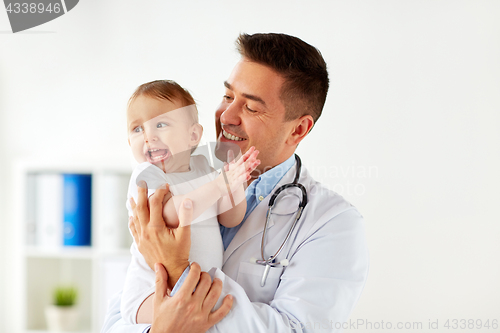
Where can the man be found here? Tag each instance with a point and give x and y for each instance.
(273, 97)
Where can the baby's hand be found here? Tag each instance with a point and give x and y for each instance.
(236, 173)
(251, 161)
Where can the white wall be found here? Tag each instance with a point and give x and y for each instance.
(409, 134)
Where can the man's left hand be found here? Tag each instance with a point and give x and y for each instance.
(188, 311)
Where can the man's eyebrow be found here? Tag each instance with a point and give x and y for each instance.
(252, 97)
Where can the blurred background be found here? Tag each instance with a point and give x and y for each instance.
(410, 135)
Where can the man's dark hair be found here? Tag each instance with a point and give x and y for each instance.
(301, 65)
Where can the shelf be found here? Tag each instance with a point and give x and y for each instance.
(74, 252)
(97, 271)
(81, 252)
(45, 331)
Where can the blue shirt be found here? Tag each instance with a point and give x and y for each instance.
(257, 191)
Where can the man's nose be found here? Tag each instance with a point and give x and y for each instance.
(230, 115)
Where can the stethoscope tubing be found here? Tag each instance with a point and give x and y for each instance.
(270, 262)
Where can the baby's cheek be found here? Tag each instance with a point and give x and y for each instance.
(137, 151)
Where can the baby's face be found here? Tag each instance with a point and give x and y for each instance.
(162, 133)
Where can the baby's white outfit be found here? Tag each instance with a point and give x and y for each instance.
(206, 241)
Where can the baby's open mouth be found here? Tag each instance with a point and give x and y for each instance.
(157, 155)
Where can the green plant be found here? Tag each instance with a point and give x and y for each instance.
(65, 296)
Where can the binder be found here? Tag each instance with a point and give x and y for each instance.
(113, 228)
(30, 212)
(77, 191)
(48, 209)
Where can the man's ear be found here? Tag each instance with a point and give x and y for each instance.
(196, 133)
(299, 131)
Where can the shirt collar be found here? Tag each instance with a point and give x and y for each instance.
(267, 181)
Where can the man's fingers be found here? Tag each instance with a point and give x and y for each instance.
(191, 281)
(156, 208)
(213, 295)
(221, 312)
(203, 286)
(168, 195)
(142, 210)
(161, 289)
(132, 228)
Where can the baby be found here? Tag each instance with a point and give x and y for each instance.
(163, 131)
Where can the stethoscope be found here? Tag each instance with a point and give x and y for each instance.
(271, 261)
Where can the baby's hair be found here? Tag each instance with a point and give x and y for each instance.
(169, 90)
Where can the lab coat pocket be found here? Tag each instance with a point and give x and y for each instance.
(250, 276)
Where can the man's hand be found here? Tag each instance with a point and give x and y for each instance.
(156, 242)
(188, 311)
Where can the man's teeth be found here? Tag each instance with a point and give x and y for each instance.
(231, 137)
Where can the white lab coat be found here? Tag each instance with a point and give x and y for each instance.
(328, 266)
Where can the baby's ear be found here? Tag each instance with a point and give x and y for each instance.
(196, 133)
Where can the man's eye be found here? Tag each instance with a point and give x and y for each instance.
(227, 98)
(160, 125)
(138, 129)
(250, 110)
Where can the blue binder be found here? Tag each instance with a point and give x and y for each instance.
(77, 209)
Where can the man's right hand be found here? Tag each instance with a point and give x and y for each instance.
(156, 242)
(188, 311)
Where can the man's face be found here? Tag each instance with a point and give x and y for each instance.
(160, 133)
(252, 114)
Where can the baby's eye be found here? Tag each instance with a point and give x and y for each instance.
(160, 125)
(138, 129)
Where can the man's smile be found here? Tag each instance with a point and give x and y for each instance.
(231, 136)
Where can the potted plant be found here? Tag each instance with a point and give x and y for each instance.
(63, 314)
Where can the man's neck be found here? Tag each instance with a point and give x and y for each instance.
(261, 170)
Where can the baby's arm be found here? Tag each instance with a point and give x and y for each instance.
(203, 197)
(232, 216)
(229, 215)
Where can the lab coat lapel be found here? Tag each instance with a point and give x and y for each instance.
(253, 226)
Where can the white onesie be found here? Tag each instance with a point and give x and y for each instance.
(206, 241)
